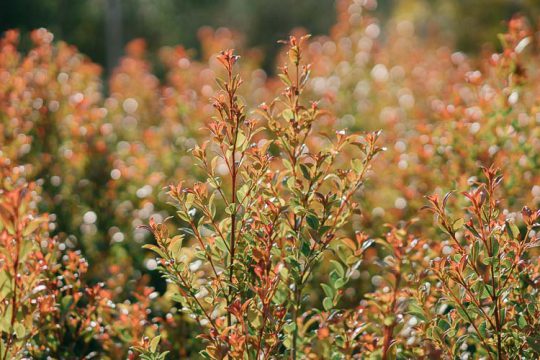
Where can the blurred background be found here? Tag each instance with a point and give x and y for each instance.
(101, 28)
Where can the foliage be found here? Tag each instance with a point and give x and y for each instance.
(287, 232)
(47, 308)
(488, 282)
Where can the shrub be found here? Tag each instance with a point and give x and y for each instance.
(245, 278)
(488, 284)
(48, 309)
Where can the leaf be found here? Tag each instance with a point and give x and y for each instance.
(487, 261)
(446, 197)
(312, 221)
(367, 244)
(32, 226)
(534, 343)
(20, 330)
(338, 267)
(495, 246)
(154, 343)
(285, 79)
(462, 314)
(212, 205)
(221, 83)
(473, 231)
(340, 283)
(416, 311)
(221, 245)
(5, 319)
(458, 224)
(389, 320)
(176, 244)
(521, 322)
(511, 230)
(328, 290)
(357, 165)
(178, 298)
(2, 348)
(9, 227)
(65, 304)
(163, 355)
(287, 114)
(305, 171)
(328, 304)
(305, 248)
(240, 139)
(443, 325)
(482, 328)
(155, 249)
(231, 209)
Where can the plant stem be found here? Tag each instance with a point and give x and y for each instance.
(18, 240)
(389, 330)
(235, 119)
(297, 297)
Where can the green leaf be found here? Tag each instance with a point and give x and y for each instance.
(221, 245)
(305, 171)
(464, 316)
(176, 244)
(488, 260)
(416, 311)
(534, 343)
(231, 209)
(9, 227)
(312, 221)
(5, 320)
(458, 224)
(20, 330)
(472, 230)
(494, 247)
(285, 79)
(287, 114)
(155, 249)
(389, 320)
(2, 348)
(482, 328)
(163, 355)
(443, 325)
(328, 290)
(338, 267)
(205, 354)
(305, 248)
(66, 303)
(511, 229)
(154, 343)
(32, 226)
(328, 304)
(240, 139)
(334, 276)
(340, 283)
(291, 183)
(357, 165)
(221, 83)
(521, 322)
